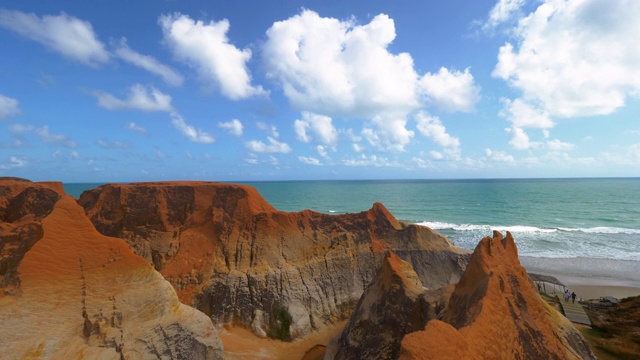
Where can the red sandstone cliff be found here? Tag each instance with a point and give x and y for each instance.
(232, 255)
(495, 313)
(74, 293)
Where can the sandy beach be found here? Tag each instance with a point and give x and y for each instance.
(590, 278)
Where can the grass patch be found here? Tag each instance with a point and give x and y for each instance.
(283, 321)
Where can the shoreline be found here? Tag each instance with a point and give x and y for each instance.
(589, 278)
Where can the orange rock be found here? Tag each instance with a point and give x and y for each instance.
(497, 311)
(85, 295)
(232, 255)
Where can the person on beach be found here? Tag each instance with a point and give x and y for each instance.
(573, 297)
(566, 295)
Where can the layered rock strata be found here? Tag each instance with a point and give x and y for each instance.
(392, 306)
(232, 255)
(495, 313)
(79, 294)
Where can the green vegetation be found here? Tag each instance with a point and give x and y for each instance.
(283, 321)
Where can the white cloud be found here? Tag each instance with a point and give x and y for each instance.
(450, 91)
(520, 139)
(557, 145)
(14, 163)
(135, 127)
(431, 127)
(575, 58)
(206, 48)
(502, 12)
(149, 63)
(44, 134)
(436, 155)
(274, 146)
(188, 131)
(269, 129)
(233, 127)
(112, 144)
(67, 35)
(8, 107)
(525, 115)
(373, 160)
(357, 147)
(499, 156)
(309, 160)
(321, 126)
(339, 68)
(322, 151)
(140, 98)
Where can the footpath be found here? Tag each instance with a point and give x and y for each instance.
(574, 311)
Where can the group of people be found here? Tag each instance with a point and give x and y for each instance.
(568, 295)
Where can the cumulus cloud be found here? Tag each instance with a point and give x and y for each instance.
(339, 68)
(499, 156)
(233, 127)
(146, 62)
(575, 58)
(140, 98)
(373, 160)
(557, 145)
(520, 140)
(8, 107)
(44, 134)
(450, 91)
(431, 127)
(274, 146)
(321, 126)
(309, 160)
(188, 131)
(503, 11)
(206, 48)
(14, 162)
(525, 115)
(64, 34)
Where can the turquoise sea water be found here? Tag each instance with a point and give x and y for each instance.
(549, 218)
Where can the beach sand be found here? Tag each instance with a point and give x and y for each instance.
(589, 278)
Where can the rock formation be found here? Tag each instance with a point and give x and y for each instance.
(392, 306)
(232, 255)
(78, 294)
(495, 313)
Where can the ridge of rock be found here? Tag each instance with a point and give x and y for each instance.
(23, 205)
(85, 295)
(497, 314)
(390, 307)
(232, 255)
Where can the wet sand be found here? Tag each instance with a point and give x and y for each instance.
(589, 278)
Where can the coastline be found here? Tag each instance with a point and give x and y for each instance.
(590, 278)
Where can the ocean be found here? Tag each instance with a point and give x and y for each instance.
(585, 221)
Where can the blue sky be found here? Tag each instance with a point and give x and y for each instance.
(107, 91)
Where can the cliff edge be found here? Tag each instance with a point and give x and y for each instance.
(232, 255)
(80, 294)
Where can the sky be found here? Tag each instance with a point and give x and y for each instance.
(114, 91)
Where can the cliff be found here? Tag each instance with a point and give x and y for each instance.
(495, 313)
(78, 294)
(392, 306)
(230, 254)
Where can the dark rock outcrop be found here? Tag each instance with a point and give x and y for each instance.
(232, 255)
(392, 306)
(495, 313)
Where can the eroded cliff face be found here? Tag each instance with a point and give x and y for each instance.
(23, 205)
(232, 255)
(80, 294)
(495, 313)
(393, 305)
